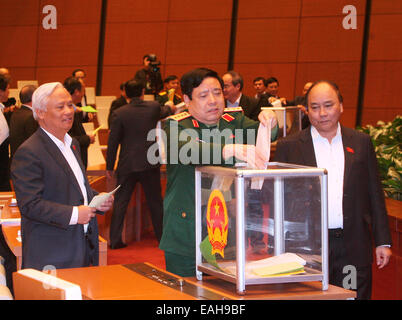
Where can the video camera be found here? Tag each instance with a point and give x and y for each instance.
(154, 63)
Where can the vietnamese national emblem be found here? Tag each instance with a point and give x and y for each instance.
(217, 222)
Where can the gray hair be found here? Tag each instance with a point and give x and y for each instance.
(236, 78)
(41, 96)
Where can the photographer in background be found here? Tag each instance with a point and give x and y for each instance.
(150, 75)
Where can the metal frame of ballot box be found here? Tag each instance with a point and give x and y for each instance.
(285, 111)
(239, 175)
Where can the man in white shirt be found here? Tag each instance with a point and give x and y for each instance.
(58, 227)
(5, 252)
(234, 97)
(356, 202)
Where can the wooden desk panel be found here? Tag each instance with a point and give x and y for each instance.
(9, 212)
(11, 233)
(116, 282)
(283, 291)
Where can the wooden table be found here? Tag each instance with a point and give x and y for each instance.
(143, 281)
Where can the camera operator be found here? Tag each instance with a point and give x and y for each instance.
(150, 75)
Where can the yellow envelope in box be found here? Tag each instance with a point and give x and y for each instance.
(279, 269)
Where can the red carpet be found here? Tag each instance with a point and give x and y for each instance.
(145, 250)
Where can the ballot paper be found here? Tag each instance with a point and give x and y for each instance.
(263, 146)
(88, 109)
(221, 183)
(283, 264)
(101, 198)
(286, 268)
(277, 103)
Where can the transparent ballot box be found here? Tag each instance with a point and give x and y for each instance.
(262, 226)
(289, 119)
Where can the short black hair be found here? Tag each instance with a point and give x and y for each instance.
(76, 70)
(134, 88)
(260, 78)
(272, 80)
(71, 84)
(4, 82)
(332, 84)
(122, 86)
(26, 93)
(193, 79)
(170, 78)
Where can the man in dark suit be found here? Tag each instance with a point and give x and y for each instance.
(76, 88)
(22, 124)
(355, 197)
(129, 129)
(272, 92)
(234, 97)
(116, 104)
(260, 86)
(4, 134)
(58, 227)
(5, 252)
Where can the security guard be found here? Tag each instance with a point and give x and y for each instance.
(206, 117)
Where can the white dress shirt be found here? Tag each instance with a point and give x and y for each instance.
(68, 154)
(331, 157)
(234, 104)
(4, 131)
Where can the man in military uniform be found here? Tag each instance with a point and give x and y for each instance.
(171, 84)
(206, 116)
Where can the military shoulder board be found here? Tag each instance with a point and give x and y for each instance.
(227, 117)
(234, 109)
(180, 116)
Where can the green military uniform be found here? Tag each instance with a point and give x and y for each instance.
(163, 97)
(178, 239)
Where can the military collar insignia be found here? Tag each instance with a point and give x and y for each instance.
(180, 116)
(227, 117)
(195, 123)
(234, 109)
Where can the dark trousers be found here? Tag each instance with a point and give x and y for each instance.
(151, 184)
(338, 274)
(4, 167)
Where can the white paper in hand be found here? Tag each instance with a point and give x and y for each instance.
(101, 198)
(263, 146)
